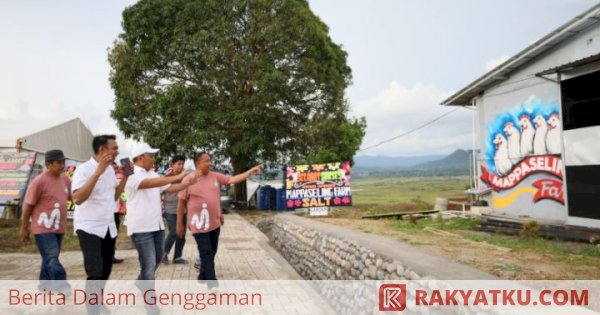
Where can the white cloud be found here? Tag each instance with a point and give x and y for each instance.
(393, 111)
(45, 85)
(493, 63)
(399, 109)
(19, 118)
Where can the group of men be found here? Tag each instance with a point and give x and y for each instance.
(94, 189)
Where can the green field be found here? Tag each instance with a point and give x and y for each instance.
(402, 194)
(536, 257)
(370, 196)
(507, 256)
(10, 242)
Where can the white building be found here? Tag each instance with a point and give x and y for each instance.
(22, 156)
(537, 127)
(72, 137)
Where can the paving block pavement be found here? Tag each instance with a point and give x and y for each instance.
(244, 254)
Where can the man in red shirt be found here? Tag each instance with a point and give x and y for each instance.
(204, 214)
(46, 206)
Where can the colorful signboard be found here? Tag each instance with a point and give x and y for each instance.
(318, 185)
(15, 169)
(523, 154)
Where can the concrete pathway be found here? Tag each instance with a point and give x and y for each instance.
(244, 254)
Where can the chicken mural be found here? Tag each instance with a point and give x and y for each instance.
(527, 135)
(553, 136)
(539, 139)
(514, 142)
(501, 158)
(523, 154)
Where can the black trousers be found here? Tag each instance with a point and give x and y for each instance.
(98, 254)
(117, 220)
(207, 243)
(117, 223)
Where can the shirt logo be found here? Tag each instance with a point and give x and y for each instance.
(53, 219)
(201, 222)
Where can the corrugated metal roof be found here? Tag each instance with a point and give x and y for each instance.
(502, 72)
(72, 137)
(569, 65)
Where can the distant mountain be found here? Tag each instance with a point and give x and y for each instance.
(459, 159)
(454, 164)
(389, 162)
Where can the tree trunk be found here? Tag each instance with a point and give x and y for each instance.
(240, 188)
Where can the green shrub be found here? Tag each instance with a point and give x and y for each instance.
(530, 230)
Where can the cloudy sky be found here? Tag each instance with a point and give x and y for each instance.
(406, 57)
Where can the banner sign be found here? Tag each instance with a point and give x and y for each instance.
(318, 211)
(403, 297)
(15, 168)
(548, 164)
(318, 185)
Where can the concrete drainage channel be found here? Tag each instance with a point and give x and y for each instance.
(319, 251)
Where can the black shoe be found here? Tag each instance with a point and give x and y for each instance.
(117, 260)
(180, 260)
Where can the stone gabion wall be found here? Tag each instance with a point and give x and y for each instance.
(318, 256)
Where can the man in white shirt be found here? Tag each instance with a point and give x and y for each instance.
(145, 223)
(95, 189)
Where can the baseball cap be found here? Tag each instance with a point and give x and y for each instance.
(55, 155)
(142, 148)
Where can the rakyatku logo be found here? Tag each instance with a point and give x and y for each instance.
(392, 297)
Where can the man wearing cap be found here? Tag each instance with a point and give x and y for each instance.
(145, 224)
(46, 205)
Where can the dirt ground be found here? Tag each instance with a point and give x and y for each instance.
(502, 262)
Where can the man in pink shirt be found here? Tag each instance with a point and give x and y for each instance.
(46, 206)
(204, 214)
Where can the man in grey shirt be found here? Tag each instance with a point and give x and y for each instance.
(170, 214)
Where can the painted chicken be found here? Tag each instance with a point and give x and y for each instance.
(501, 159)
(553, 144)
(514, 142)
(527, 134)
(539, 139)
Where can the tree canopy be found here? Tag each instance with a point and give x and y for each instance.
(250, 81)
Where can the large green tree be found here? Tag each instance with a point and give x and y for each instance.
(250, 81)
